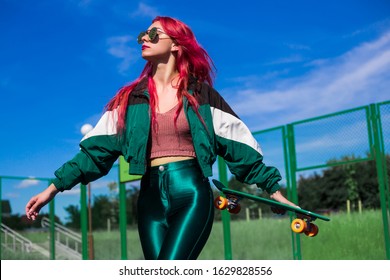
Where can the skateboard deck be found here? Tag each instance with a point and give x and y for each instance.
(303, 223)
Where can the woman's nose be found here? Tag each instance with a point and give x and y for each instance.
(145, 38)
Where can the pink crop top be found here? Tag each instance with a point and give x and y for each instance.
(170, 140)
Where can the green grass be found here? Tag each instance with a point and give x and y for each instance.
(107, 245)
(257, 239)
(41, 238)
(345, 237)
(348, 237)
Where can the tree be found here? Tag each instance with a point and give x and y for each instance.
(332, 188)
(102, 210)
(114, 199)
(73, 216)
(132, 194)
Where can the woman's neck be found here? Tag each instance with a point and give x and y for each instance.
(165, 79)
(164, 76)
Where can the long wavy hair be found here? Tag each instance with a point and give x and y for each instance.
(191, 60)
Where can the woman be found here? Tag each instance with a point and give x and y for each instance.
(170, 125)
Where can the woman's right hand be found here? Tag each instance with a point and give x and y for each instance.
(37, 202)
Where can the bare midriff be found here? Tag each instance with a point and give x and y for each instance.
(165, 160)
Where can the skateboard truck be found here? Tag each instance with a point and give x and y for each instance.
(231, 203)
(305, 226)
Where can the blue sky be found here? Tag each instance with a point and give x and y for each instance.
(277, 62)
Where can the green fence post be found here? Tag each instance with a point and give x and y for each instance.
(52, 230)
(225, 215)
(286, 161)
(292, 159)
(84, 222)
(123, 220)
(380, 160)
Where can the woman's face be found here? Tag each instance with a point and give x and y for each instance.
(160, 47)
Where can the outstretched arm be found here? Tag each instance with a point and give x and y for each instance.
(37, 202)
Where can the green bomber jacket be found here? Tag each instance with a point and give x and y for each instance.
(222, 134)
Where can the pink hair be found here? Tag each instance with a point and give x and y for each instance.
(191, 60)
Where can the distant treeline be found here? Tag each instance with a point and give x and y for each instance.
(326, 190)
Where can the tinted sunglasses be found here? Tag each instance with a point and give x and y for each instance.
(152, 33)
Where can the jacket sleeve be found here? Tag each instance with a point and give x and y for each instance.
(240, 150)
(99, 150)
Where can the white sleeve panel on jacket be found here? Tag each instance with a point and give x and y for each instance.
(232, 128)
(107, 125)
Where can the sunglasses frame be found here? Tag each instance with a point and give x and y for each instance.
(152, 33)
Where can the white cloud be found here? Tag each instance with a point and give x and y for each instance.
(12, 195)
(101, 184)
(358, 77)
(291, 59)
(71, 192)
(297, 46)
(118, 46)
(27, 183)
(145, 11)
(348, 133)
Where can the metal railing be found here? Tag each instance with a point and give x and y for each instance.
(15, 242)
(68, 240)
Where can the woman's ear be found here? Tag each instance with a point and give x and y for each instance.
(174, 47)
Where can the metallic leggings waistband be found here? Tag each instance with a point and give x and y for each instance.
(173, 165)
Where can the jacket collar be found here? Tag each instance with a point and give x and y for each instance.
(141, 87)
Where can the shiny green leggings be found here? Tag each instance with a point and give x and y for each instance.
(175, 211)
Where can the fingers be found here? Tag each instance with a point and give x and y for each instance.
(32, 216)
(30, 204)
(28, 208)
(32, 209)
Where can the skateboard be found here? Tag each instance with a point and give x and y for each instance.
(302, 223)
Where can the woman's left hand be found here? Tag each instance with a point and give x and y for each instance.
(278, 196)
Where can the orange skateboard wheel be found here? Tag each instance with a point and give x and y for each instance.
(298, 226)
(312, 230)
(220, 203)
